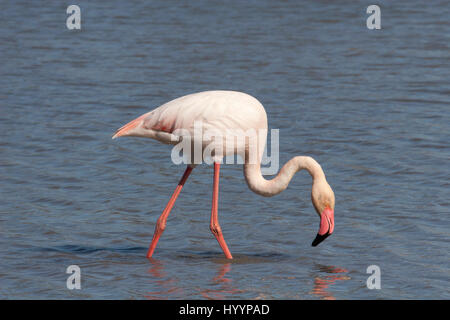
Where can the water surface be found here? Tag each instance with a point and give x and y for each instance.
(371, 106)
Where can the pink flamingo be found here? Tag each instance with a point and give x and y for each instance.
(220, 111)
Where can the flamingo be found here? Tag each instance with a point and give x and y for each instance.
(221, 110)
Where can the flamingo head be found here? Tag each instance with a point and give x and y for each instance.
(323, 200)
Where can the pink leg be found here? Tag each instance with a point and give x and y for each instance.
(214, 226)
(161, 223)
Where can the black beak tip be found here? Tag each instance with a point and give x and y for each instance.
(319, 238)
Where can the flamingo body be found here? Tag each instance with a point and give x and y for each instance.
(214, 111)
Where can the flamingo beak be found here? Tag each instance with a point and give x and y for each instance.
(326, 226)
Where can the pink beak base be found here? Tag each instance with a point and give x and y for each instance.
(326, 226)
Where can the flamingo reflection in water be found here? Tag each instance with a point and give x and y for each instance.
(225, 289)
(322, 283)
(169, 286)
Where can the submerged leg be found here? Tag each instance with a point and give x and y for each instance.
(161, 223)
(214, 226)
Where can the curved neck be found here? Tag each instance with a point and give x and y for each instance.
(258, 184)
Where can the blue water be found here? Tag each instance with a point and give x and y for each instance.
(372, 106)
